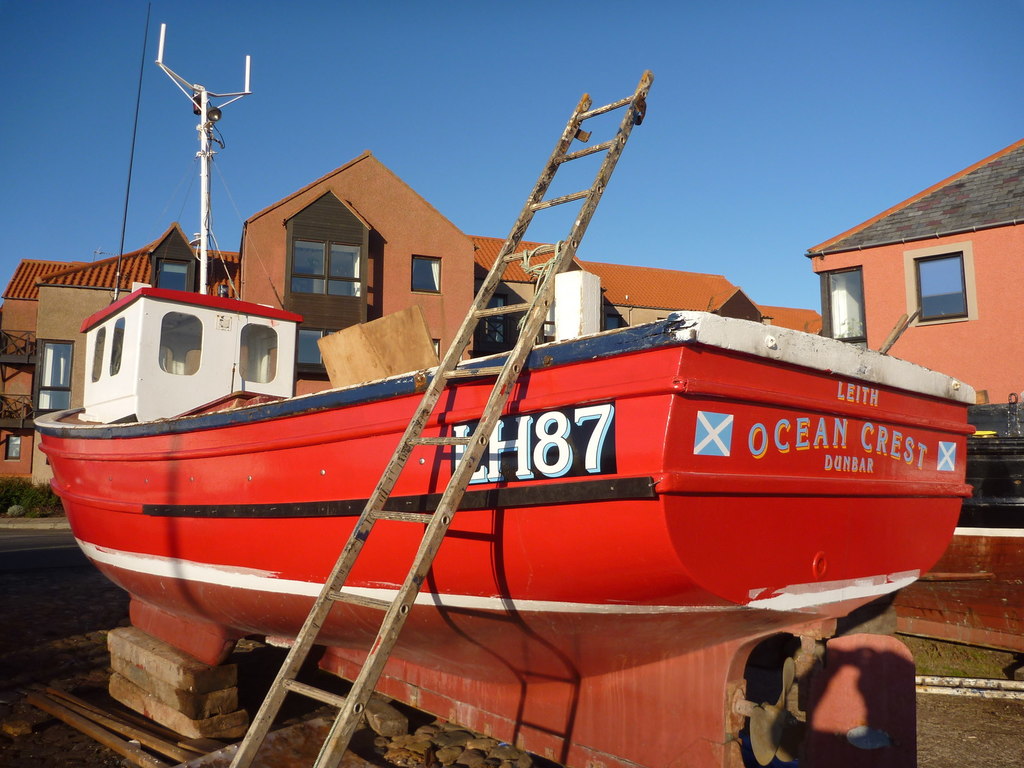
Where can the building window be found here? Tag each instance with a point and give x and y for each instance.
(426, 274)
(54, 391)
(325, 268)
(843, 304)
(308, 348)
(172, 274)
(495, 328)
(613, 319)
(12, 448)
(181, 343)
(940, 283)
(55, 379)
(941, 289)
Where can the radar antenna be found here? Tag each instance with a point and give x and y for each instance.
(208, 115)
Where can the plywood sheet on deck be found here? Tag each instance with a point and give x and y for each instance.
(396, 343)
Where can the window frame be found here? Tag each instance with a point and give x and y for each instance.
(325, 277)
(12, 447)
(41, 385)
(911, 260)
(189, 275)
(432, 260)
(827, 292)
(307, 367)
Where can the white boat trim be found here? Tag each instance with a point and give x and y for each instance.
(256, 580)
(993, 532)
(799, 596)
(793, 598)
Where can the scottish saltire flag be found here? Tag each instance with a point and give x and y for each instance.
(713, 436)
(947, 457)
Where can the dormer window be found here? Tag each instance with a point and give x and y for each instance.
(325, 268)
(173, 274)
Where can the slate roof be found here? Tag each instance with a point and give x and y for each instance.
(988, 193)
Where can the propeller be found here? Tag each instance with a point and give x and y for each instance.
(774, 732)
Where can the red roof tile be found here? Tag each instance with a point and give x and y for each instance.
(135, 267)
(23, 284)
(806, 320)
(661, 288)
(486, 250)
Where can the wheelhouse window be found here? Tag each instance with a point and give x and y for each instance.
(116, 347)
(941, 288)
(55, 376)
(325, 268)
(258, 357)
(181, 343)
(97, 354)
(843, 299)
(426, 274)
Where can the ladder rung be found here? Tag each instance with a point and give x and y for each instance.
(366, 602)
(505, 309)
(469, 373)
(404, 517)
(588, 151)
(312, 692)
(560, 200)
(606, 108)
(441, 440)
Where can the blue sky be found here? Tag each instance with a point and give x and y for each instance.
(771, 126)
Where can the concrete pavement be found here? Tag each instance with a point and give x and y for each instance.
(34, 523)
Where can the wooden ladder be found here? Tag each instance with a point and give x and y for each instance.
(350, 707)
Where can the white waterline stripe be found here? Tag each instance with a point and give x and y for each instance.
(794, 597)
(267, 581)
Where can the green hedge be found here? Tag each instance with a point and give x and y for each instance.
(36, 499)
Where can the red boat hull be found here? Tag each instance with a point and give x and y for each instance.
(662, 510)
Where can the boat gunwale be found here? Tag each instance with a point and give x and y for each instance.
(728, 335)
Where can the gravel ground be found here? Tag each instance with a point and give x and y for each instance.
(54, 625)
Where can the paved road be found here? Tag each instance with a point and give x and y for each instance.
(23, 549)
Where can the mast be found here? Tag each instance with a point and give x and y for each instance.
(208, 115)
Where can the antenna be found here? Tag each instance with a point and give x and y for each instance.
(208, 115)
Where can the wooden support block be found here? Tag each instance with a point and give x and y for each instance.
(189, 703)
(165, 662)
(226, 726)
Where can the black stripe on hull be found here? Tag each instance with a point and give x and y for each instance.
(608, 489)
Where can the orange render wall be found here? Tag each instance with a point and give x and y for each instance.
(986, 352)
